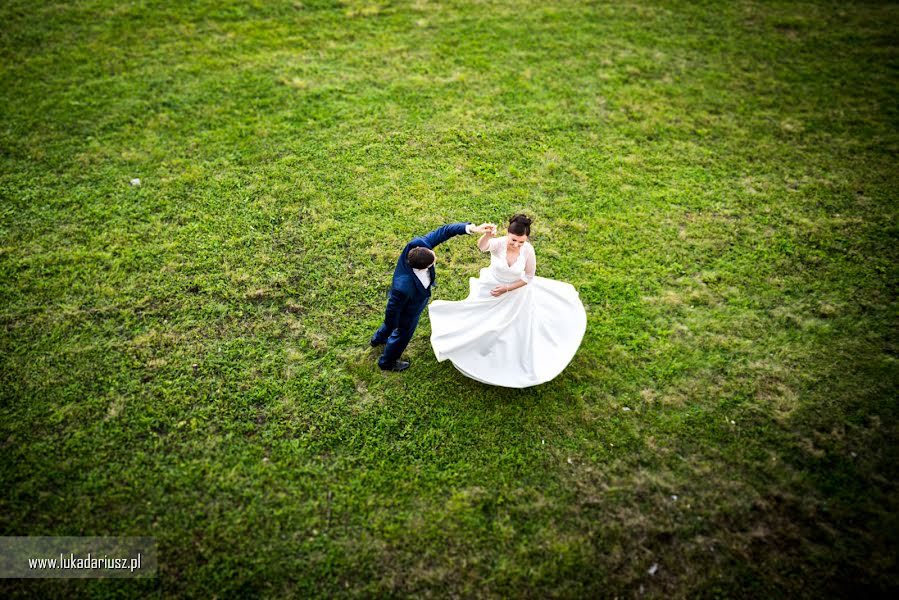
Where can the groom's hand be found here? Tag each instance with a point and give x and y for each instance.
(488, 228)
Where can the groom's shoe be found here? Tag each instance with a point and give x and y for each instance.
(400, 365)
(375, 344)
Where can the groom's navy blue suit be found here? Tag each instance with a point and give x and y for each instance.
(408, 297)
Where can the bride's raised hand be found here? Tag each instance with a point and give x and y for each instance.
(485, 228)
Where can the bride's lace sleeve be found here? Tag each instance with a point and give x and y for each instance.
(494, 245)
(530, 264)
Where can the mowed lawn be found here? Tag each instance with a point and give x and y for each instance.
(187, 358)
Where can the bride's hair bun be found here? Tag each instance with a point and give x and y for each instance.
(520, 224)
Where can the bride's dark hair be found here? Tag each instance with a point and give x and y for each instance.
(520, 224)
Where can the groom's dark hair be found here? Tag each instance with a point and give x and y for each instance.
(420, 258)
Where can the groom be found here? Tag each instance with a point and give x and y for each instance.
(410, 291)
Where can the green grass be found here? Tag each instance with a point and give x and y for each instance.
(188, 359)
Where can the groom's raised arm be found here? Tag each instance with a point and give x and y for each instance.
(441, 234)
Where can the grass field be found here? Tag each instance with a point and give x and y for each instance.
(187, 359)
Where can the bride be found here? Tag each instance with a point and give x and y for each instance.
(514, 329)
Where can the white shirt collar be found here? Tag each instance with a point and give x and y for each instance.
(423, 276)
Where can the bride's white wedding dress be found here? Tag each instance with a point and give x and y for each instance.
(522, 338)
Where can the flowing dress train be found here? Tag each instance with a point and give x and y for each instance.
(522, 338)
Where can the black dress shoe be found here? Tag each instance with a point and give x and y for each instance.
(400, 365)
(375, 344)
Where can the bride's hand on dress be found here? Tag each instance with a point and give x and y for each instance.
(499, 290)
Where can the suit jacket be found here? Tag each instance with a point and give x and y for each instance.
(408, 297)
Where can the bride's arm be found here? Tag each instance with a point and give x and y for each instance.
(530, 264)
(484, 240)
(502, 289)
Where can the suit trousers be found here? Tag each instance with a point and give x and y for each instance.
(398, 338)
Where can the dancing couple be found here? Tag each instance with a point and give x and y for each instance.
(514, 329)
